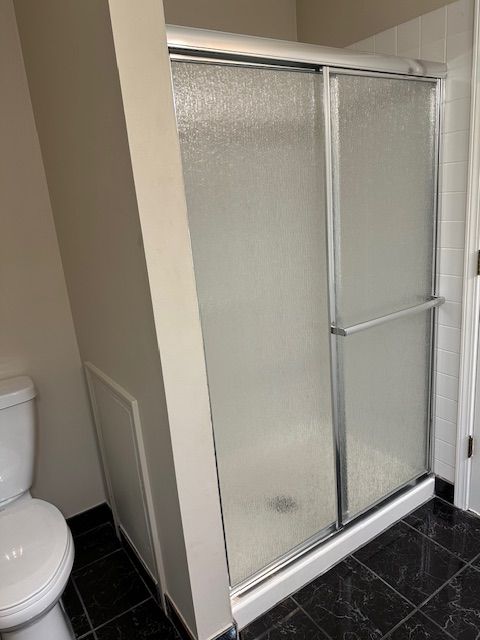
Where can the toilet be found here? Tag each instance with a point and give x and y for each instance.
(36, 546)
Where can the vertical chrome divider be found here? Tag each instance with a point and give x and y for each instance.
(338, 410)
(434, 314)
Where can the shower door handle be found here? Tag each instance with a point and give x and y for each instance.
(436, 301)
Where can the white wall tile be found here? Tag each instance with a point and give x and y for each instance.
(448, 362)
(448, 338)
(453, 206)
(386, 42)
(445, 471)
(450, 313)
(451, 288)
(454, 176)
(408, 39)
(444, 452)
(433, 26)
(459, 51)
(446, 409)
(447, 386)
(455, 146)
(459, 16)
(457, 115)
(367, 45)
(445, 430)
(445, 35)
(432, 35)
(433, 51)
(451, 262)
(452, 234)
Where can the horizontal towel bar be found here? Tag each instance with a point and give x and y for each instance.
(368, 324)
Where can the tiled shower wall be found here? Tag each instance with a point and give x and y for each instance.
(444, 35)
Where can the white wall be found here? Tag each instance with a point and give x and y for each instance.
(145, 80)
(267, 18)
(73, 73)
(444, 35)
(36, 329)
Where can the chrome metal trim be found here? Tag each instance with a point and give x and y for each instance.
(336, 377)
(436, 301)
(434, 319)
(420, 477)
(277, 565)
(248, 47)
(381, 74)
(312, 544)
(255, 64)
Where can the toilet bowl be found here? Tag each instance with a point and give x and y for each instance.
(36, 545)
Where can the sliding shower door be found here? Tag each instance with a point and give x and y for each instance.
(384, 186)
(252, 142)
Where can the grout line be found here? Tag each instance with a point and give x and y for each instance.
(77, 570)
(97, 526)
(384, 582)
(424, 535)
(450, 444)
(327, 635)
(389, 633)
(275, 624)
(445, 398)
(77, 590)
(449, 375)
(155, 597)
(119, 615)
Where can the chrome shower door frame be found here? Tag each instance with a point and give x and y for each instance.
(210, 47)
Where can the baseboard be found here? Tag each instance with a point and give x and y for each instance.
(252, 604)
(444, 490)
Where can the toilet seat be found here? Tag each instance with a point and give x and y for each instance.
(36, 558)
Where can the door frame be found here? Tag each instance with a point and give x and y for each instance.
(469, 349)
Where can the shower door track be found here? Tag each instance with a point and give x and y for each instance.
(210, 47)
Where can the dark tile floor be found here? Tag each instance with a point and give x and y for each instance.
(419, 580)
(109, 597)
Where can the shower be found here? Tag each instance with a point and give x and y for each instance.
(311, 184)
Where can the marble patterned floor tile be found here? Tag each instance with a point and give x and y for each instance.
(145, 622)
(109, 587)
(94, 545)
(350, 603)
(456, 530)
(418, 627)
(456, 608)
(75, 611)
(258, 627)
(411, 563)
(298, 626)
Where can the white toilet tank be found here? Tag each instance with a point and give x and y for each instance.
(17, 436)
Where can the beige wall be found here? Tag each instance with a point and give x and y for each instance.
(72, 73)
(36, 330)
(145, 78)
(339, 23)
(268, 18)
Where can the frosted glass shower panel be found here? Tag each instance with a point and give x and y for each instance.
(383, 132)
(252, 146)
(386, 408)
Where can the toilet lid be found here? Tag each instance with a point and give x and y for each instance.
(33, 542)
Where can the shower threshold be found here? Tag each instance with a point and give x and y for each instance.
(251, 601)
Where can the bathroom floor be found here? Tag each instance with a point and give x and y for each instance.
(109, 597)
(419, 580)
